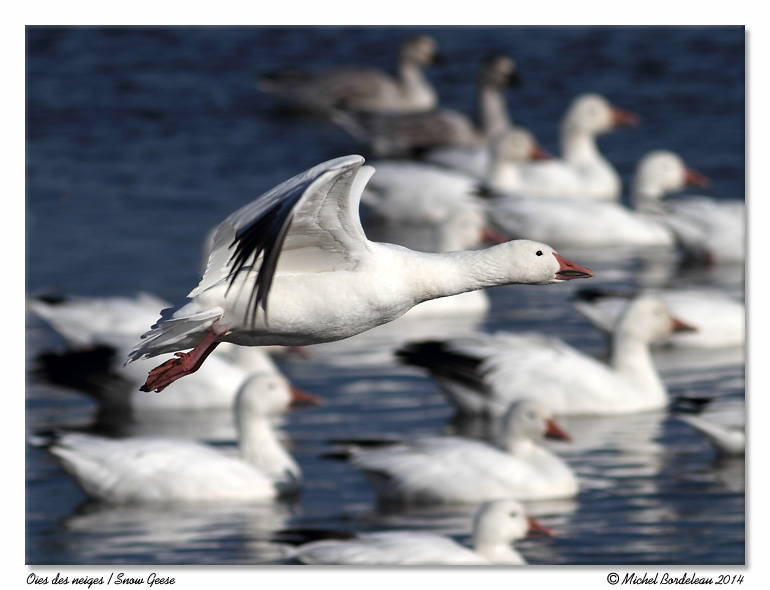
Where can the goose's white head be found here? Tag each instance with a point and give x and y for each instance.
(502, 522)
(593, 114)
(535, 263)
(464, 229)
(661, 172)
(529, 419)
(267, 395)
(648, 319)
(516, 146)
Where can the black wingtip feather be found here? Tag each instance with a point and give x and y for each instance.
(263, 238)
(441, 361)
(592, 294)
(87, 370)
(301, 536)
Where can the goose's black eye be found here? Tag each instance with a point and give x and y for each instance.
(539, 253)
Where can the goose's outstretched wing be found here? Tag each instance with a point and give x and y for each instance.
(311, 221)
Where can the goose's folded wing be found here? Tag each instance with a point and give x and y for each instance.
(311, 221)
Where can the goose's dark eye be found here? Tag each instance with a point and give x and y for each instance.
(539, 253)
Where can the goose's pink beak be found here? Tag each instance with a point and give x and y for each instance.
(538, 153)
(569, 270)
(537, 528)
(301, 398)
(621, 118)
(678, 325)
(693, 178)
(553, 430)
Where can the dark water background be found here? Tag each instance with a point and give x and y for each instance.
(139, 140)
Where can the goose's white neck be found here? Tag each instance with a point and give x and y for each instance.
(578, 147)
(646, 197)
(496, 551)
(518, 445)
(430, 275)
(632, 359)
(259, 446)
(504, 176)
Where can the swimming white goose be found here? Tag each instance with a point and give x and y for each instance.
(583, 172)
(361, 88)
(496, 526)
(458, 470)
(552, 220)
(140, 470)
(483, 373)
(707, 229)
(295, 268)
(100, 332)
(612, 223)
(720, 319)
(722, 424)
(403, 135)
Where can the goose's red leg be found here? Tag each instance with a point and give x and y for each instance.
(186, 362)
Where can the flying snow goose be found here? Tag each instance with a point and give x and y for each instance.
(362, 88)
(707, 229)
(483, 373)
(143, 470)
(100, 332)
(720, 319)
(458, 470)
(295, 268)
(403, 135)
(496, 526)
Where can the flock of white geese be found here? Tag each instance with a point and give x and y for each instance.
(295, 267)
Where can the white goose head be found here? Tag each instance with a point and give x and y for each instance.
(266, 395)
(648, 319)
(528, 419)
(661, 172)
(535, 263)
(501, 522)
(464, 229)
(592, 114)
(516, 146)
